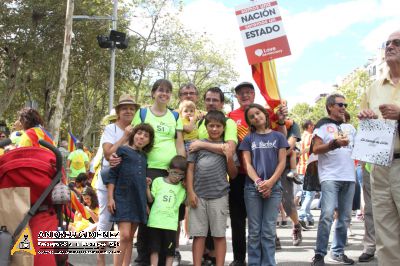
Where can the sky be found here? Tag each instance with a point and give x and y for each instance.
(328, 39)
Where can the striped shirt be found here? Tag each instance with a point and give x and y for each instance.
(210, 173)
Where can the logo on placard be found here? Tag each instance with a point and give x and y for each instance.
(265, 52)
(258, 52)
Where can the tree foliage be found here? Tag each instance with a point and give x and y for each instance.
(31, 41)
(352, 89)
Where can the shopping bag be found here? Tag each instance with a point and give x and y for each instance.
(14, 204)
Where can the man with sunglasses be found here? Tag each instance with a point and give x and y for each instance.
(332, 142)
(382, 100)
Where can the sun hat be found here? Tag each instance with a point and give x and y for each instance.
(126, 99)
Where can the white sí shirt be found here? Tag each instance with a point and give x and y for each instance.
(336, 165)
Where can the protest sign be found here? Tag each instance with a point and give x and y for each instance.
(262, 31)
(374, 142)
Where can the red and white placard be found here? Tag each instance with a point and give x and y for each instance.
(262, 31)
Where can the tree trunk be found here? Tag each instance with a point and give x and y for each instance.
(55, 121)
(88, 120)
(11, 85)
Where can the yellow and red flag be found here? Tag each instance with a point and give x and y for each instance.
(78, 206)
(71, 142)
(264, 74)
(32, 136)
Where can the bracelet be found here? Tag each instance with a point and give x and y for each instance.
(257, 182)
(281, 123)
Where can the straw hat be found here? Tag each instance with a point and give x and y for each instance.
(126, 99)
(110, 118)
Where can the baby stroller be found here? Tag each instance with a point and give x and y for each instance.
(39, 170)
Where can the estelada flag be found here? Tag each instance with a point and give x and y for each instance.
(78, 206)
(264, 74)
(71, 142)
(35, 134)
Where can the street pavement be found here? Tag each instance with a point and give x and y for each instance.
(289, 255)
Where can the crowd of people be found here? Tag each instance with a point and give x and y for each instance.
(159, 170)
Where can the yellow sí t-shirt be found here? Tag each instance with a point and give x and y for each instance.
(192, 135)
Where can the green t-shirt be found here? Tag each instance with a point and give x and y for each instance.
(164, 213)
(164, 148)
(78, 159)
(229, 134)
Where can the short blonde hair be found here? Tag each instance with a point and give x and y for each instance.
(186, 103)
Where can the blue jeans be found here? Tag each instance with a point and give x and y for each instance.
(334, 194)
(262, 214)
(305, 210)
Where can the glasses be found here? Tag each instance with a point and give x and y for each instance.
(178, 174)
(395, 42)
(192, 93)
(342, 104)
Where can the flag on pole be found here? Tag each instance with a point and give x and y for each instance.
(71, 142)
(264, 74)
(78, 206)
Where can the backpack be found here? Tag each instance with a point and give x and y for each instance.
(311, 178)
(143, 113)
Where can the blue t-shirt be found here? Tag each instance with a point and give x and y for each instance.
(264, 149)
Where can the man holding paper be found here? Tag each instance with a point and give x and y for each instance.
(382, 100)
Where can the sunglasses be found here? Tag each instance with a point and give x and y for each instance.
(395, 42)
(342, 104)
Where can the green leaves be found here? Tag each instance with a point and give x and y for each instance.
(31, 41)
(352, 89)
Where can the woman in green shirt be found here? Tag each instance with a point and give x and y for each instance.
(168, 142)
